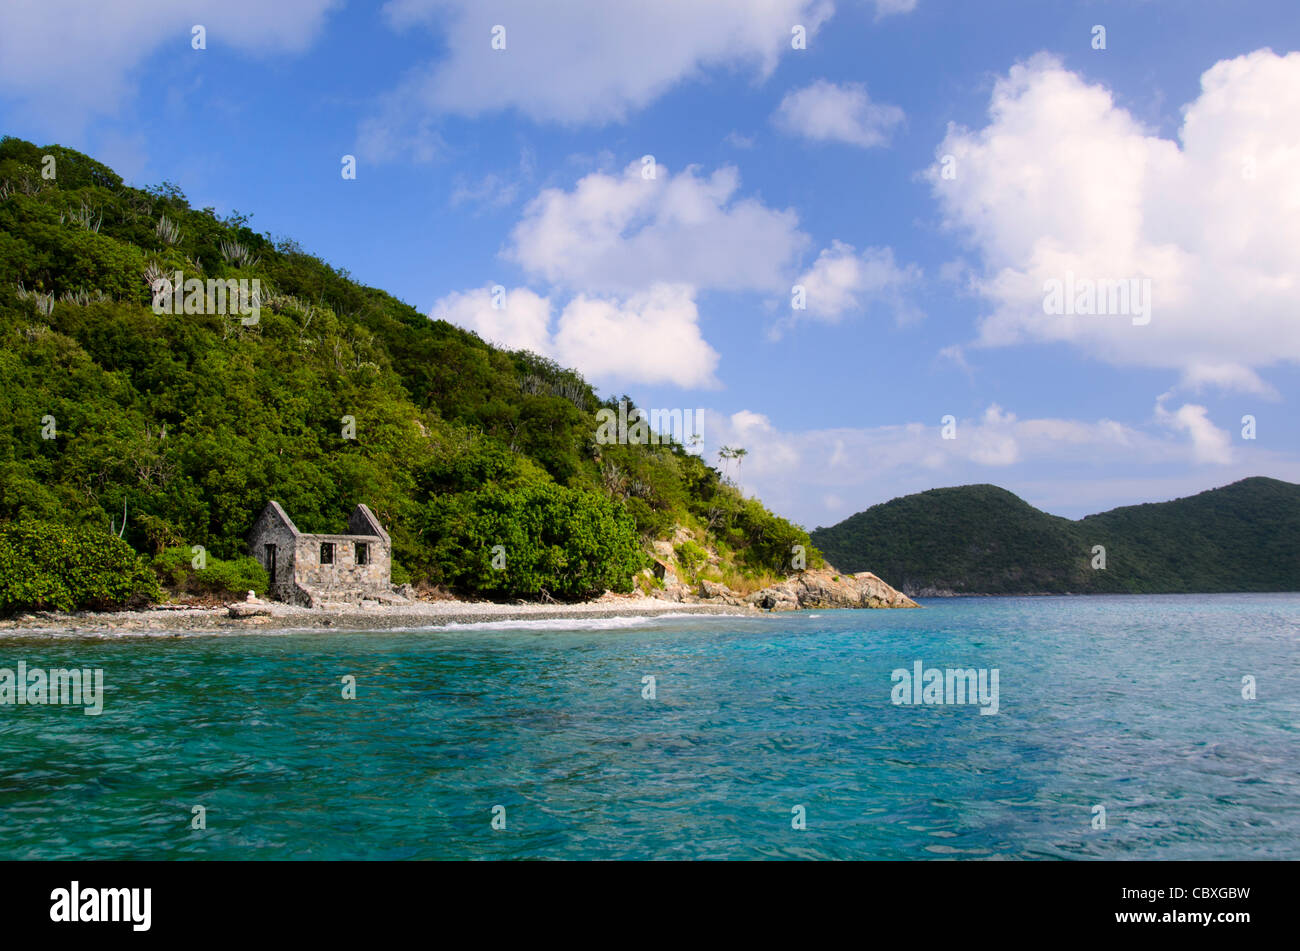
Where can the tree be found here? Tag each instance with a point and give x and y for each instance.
(739, 455)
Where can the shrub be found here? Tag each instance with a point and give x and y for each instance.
(175, 568)
(557, 541)
(691, 557)
(650, 522)
(400, 575)
(46, 566)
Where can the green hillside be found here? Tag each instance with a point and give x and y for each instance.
(337, 394)
(980, 539)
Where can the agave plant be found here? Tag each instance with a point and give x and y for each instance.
(154, 276)
(83, 216)
(115, 529)
(168, 231)
(44, 303)
(238, 255)
(82, 297)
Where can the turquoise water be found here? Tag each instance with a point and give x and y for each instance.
(1131, 703)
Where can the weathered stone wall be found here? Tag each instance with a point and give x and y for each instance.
(362, 521)
(344, 580)
(270, 529)
(300, 578)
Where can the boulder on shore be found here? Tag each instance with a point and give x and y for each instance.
(715, 589)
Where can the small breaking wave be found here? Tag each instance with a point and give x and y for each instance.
(565, 624)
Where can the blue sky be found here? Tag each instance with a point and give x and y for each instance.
(774, 167)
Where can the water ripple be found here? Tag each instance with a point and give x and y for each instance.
(1130, 704)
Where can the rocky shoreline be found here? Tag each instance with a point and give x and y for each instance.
(271, 616)
(820, 589)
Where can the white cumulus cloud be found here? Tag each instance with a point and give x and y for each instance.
(651, 337)
(829, 112)
(1062, 181)
(1209, 442)
(627, 231)
(648, 337)
(842, 281)
(589, 60)
(522, 322)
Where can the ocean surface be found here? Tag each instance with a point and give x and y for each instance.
(766, 738)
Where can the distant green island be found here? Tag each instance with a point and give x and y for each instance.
(143, 431)
(981, 539)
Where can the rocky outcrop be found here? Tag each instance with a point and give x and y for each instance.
(715, 589)
(821, 588)
(827, 588)
(676, 591)
(717, 593)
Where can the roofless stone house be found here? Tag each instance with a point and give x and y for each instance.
(312, 569)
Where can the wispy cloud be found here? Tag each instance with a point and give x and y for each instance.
(66, 62)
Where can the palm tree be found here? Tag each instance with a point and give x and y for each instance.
(725, 455)
(739, 455)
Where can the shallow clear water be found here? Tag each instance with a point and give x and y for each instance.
(1131, 703)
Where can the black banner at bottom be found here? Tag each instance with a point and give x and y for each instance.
(1221, 901)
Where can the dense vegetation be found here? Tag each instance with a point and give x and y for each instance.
(545, 539)
(338, 394)
(982, 539)
(58, 568)
(185, 571)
